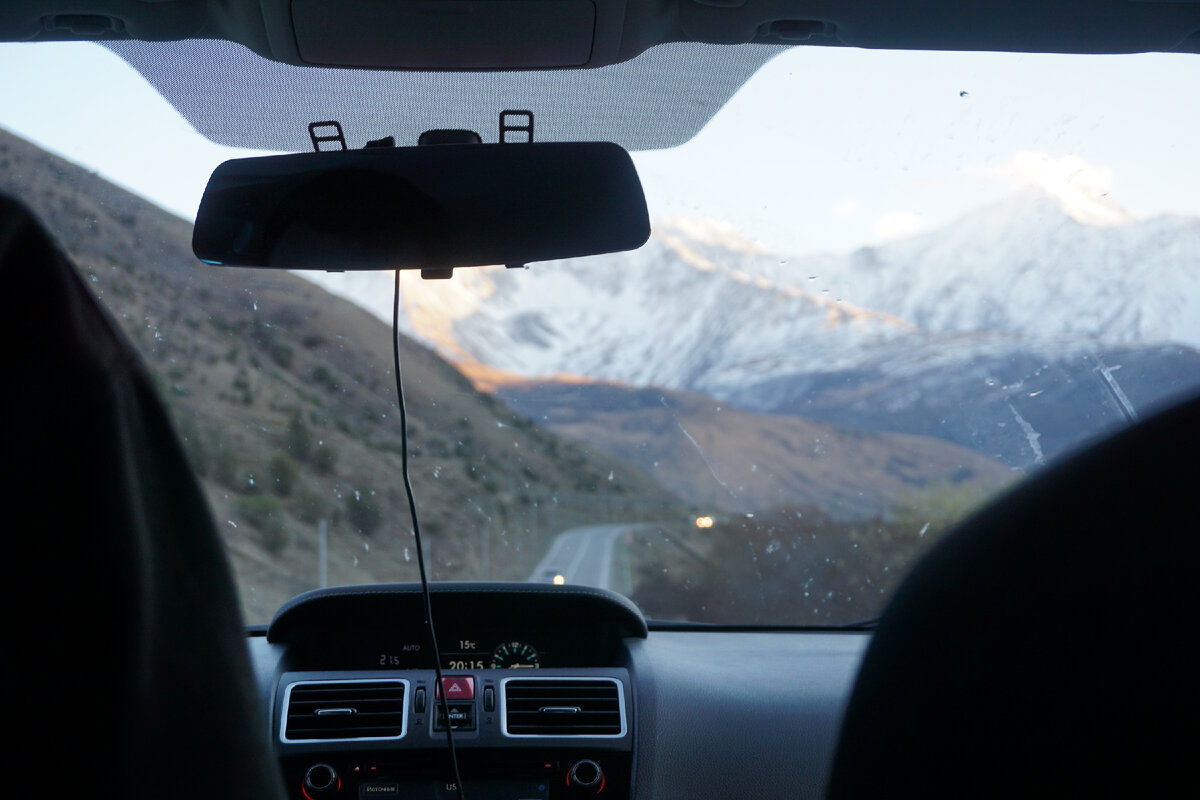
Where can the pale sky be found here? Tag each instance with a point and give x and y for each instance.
(823, 150)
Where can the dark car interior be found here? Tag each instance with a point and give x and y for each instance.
(1006, 664)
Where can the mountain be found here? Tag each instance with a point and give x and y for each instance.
(285, 399)
(1027, 266)
(716, 456)
(1015, 330)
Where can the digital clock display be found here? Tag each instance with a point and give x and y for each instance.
(464, 654)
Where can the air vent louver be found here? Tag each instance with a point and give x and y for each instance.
(345, 710)
(563, 707)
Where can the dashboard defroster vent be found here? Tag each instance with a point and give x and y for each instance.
(593, 707)
(319, 711)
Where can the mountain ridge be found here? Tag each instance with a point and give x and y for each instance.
(702, 308)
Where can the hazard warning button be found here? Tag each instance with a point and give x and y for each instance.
(459, 687)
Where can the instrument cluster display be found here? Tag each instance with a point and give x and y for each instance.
(468, 653)
(506, 655)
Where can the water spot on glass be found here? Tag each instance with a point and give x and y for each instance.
(610, 475)
(356, 561)
(366, 547)
(924, 528)
(407, 555)
(773, 546)
(231, 522)
(1035, 394)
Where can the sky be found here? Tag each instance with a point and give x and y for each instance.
(824, 150)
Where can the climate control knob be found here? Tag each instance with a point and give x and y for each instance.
(321, 780)
(586, 776)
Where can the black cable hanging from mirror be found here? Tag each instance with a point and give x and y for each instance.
(412, 510)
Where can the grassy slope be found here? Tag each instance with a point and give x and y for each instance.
(262, 369)
(724, 458)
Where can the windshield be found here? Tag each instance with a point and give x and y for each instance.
(881, 288)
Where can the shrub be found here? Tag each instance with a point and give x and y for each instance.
(299, 438)
(265, 514)
(284, 474)
(275, 536)
(281, 354)
(324, 376)
(309, 506)
(325, 459)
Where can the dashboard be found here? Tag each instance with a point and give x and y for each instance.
(553, 692)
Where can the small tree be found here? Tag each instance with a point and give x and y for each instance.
(265, 514)
(283, 473)
(299, 437)
(324, 458)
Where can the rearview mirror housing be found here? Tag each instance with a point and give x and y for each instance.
(434, 207)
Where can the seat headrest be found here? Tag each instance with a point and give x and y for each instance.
(1040, 649)
(126, 668)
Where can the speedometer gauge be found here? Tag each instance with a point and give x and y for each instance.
(515, 655)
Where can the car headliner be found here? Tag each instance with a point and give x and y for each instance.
(286, 70)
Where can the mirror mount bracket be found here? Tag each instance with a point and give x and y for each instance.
(526, 127)
(317, 138)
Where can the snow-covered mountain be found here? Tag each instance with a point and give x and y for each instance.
(1038, 280)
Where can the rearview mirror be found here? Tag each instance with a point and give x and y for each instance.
(433, 207)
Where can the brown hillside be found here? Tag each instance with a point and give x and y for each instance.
(711, 453)
(286, 400)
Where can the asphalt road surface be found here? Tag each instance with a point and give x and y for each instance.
(584, 556)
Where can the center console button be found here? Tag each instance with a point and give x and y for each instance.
(458, 687)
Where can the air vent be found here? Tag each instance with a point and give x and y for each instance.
(563, 707)
(339, 710)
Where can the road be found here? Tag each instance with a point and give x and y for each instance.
(587, 557)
